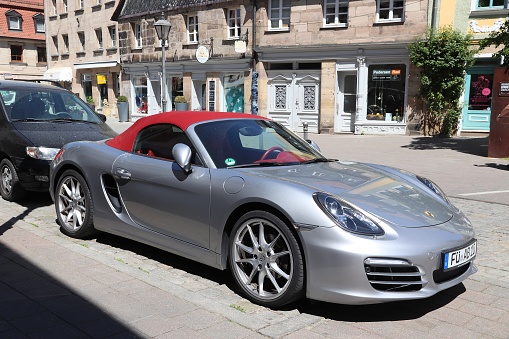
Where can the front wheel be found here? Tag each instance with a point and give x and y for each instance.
(10, 187)
(73, 205)
(266, 260)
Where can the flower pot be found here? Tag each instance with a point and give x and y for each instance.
(181, 106)
(123, 111)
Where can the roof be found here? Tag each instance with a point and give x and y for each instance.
(136, 8)
(181, 119)
(27, 9)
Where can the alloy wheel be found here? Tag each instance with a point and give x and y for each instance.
(6, 179)
(72, 205)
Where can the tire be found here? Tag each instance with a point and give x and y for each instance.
(73, 205)
(10, 187)
(266, 260)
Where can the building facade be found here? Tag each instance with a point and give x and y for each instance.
(82, 45)
(22, 39)
(478, 18)
(338, 66)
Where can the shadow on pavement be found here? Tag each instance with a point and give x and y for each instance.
(471, 145)
(393, 311)
(35, 304)
(494, 165)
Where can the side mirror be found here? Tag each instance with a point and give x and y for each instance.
(102, 117)
(313, 144)
(182, 155)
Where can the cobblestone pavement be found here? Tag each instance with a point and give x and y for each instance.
(52, 286)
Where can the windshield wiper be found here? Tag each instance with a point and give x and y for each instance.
(70, 120)
(262, 164)
(313, 161)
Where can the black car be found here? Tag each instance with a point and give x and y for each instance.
(36, 120)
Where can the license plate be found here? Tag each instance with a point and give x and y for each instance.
(459, 256)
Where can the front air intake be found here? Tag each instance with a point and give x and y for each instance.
(393, 275)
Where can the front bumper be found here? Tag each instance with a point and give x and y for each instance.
(33, 174)
(336, 269)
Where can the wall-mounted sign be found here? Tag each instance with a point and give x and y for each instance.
(240, 46)
(386, 74)
(101, 79)
(504, 89)
(212, 95)
(202, 54)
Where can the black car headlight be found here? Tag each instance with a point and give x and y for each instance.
(432, 186)
(346, 216)
(42, 153)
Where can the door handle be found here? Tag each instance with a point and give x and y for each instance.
(123, 173)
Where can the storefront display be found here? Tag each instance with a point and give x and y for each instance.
(386, 92)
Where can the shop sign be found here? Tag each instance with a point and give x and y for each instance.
(386, 74)
(202, 54)
(504, 89)
(101, 79)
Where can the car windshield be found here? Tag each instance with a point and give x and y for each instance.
(252, 142)
(29, 104)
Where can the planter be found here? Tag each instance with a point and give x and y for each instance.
(123, 111)
(181, 106)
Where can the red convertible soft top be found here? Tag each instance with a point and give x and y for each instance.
(182, 119)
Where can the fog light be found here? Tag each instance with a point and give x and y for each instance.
(43, 178)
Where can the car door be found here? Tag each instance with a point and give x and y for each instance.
(157, 194)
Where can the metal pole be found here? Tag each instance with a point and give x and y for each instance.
(163, 85)
(305, 128)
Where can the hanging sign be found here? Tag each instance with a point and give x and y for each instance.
(202, 54)
(240, 46)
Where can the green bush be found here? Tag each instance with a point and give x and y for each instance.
(121, 98)
(180, 99)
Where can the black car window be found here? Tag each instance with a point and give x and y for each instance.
(158, 141)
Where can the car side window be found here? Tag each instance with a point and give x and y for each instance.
(158, 141)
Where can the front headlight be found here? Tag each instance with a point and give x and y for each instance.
(346, 216)
(42, 153)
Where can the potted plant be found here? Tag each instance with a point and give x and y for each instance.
(123, 108)
(180, 103)
(90, 102)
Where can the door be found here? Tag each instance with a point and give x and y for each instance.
(293, 99)
(476, 113)
(346, 102)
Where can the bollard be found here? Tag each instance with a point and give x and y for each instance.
(305, 127)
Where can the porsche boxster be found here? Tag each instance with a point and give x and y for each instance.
(242, 192)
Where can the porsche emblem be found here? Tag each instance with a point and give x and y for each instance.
(429, 214)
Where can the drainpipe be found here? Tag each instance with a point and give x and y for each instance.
(254, 73)
(434, 12)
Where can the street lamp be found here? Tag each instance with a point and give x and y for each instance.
(163, 27)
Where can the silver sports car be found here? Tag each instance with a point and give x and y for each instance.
(240, 191)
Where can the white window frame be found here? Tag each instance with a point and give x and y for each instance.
(280, 7)
(81, 40)
(54, 7)
(14, 22)
(99, 38)
(112, 32)
(66, 8)
(192, 29)
(490, 7)
(337, 5)
(138, 35)
(391, 10)
(81, 4)
(234, 23)
(38, 24)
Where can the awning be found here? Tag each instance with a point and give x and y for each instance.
(103, 64)
(58, 74)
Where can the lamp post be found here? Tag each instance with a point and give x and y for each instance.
(163, 27)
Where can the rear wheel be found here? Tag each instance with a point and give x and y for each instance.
(266, 260)
(73, 205)
(10, 187)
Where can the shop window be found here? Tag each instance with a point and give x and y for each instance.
(234, 23)
(86, 84)
(335, 13)
(140, 92)
(192, 29)
(390, 10)
(16, 53)
(279, 14)
(234, 92)
(386, 92)
(102, 87)
(480, 92)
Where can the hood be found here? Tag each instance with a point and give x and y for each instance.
(57, 134)
(395, 196)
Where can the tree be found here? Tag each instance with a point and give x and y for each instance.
(443, 57)
(498, 38)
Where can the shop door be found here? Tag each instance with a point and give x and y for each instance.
(346, 102)
(478, 93)
(294, 99)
